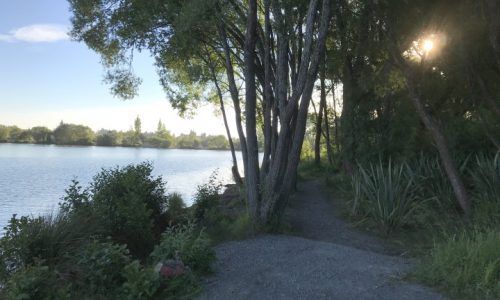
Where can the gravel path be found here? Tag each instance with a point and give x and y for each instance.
(329, 260)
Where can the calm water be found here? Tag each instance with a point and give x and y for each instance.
(33, 177)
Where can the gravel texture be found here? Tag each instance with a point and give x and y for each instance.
(329, 261)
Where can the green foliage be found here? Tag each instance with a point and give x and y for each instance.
(385, 193)
(50, 238)
(176, 208)
(128, 203)
(187, 243)
(109, 138)
(206, 200)
(99, 267)
(433, 183)
(140, 282)
(37, 281)
(70, 134)
(485, 177)
(87, 251)
(466, 264)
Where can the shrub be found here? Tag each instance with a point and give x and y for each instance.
(86, 251)
(99, 267)
(485, 177)
(467, 264)
(37, 281)
(206, 200)
(187, 243)
(49, 238)
(140, 282)
(385, 193)
(432, 183)
(127, 203)
(176, 209)
(130, 202)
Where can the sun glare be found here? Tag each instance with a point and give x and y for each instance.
(425, 48)
(428, 45)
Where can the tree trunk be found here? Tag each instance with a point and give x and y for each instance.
(234, 169)
(233, 90)
(252, 178)
(319, 119)
(432, 126)
(267, 103)
(327, 134)
(282, 174)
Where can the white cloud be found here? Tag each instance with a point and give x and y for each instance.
(37, 33)
(6, 38)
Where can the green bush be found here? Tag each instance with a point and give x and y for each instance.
(206, 200)
(99, 267)
(187, 243)
(127, 203)
(131, 203)
(140, 282)
(467, 264)
(87, 251)
(176, 209)
(386, 194)
(37, 281)
(485, 176)
(49, 238)
(432, 183)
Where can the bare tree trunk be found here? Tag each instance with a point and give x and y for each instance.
(267, 91)
(281, 178)
(319, 119)
(328, 141)
(234, 169)
(252, 179)
(442, 145)
(233, 90)
(335, 120)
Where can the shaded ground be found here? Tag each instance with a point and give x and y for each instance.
(330, 260)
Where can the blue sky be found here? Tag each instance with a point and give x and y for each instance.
(45, 77)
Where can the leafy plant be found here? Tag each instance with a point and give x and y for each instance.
(206, 200)
(127, 203)
(37, 281)
(140, 282)
(49, 238)
(485, 176)
(100, 267)
(385, 193)
(187, 243)
(176, 208)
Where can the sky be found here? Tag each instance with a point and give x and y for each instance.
(46, 78)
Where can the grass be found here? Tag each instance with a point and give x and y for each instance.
(466, 265)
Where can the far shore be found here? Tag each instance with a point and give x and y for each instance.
(117, 146)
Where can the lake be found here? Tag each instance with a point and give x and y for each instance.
(33, 177)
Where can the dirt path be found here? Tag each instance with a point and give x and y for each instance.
(313, 215)
(327, 260)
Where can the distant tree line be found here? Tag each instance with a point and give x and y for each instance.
(72, 134)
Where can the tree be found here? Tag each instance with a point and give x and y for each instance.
(108, 138)
(41, 135)
(244, 43)
(4, 133)
(70, 134)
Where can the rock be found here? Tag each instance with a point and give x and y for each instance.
(171, 268)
